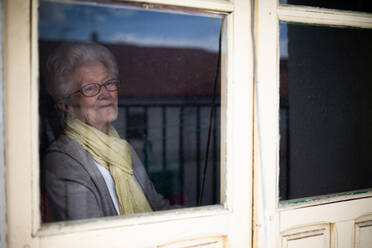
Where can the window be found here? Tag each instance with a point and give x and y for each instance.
(312, 124)
(168, 70)
(210, 225)
(325, 121)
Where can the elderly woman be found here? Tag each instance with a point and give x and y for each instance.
(89, 170)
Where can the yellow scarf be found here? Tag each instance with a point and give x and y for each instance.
(114, 154)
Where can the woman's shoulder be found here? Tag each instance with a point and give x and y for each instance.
(62, 143)
(64, 153)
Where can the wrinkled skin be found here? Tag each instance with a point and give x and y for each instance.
(97, 111)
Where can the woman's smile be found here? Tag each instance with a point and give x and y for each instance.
(100, 110)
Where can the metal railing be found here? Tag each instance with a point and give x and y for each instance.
(184, 124)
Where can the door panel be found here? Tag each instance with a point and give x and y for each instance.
(363, 232)
(316, 221)
(205, 242)
(308, 236)
(232, 220)
(341, 225)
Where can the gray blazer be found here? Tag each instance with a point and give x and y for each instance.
(75, 187)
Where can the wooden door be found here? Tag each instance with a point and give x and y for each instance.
(227, 224)
(342, 217)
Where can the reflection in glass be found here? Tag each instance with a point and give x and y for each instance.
(325, 110)
(358, 5)
(167, 67)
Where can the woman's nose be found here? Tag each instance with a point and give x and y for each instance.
(104, 92)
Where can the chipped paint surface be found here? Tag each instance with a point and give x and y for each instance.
(315, 200)
(314, 15)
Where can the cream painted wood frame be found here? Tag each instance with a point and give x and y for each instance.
(226, 225)
(333, 221)
(2, 164)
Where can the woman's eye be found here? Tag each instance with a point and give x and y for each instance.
(89, 88)
(110, 85)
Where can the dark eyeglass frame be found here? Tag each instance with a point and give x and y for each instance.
(110, 81)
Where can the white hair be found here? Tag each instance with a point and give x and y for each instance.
(67, 58)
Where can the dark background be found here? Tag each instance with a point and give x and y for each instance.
(326, 89)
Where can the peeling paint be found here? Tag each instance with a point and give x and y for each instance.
(328, 198)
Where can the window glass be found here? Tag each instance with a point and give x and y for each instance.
(325, 110)
(359, 5)
(149, 73)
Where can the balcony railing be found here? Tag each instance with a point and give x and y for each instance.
(171, 141)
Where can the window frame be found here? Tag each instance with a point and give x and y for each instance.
(231, 220)
(2, 164)
(270, 14)
(324, 17)
(269, 211)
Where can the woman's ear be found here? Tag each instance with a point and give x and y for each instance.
(66, 108)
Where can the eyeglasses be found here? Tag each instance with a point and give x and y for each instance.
(93, 89)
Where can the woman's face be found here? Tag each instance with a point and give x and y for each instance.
(97, 111)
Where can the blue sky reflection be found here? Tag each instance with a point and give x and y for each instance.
(61, 21)
(283, 40)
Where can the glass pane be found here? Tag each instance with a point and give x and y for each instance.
(166, 65)
(325, 110)
(358, 5)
